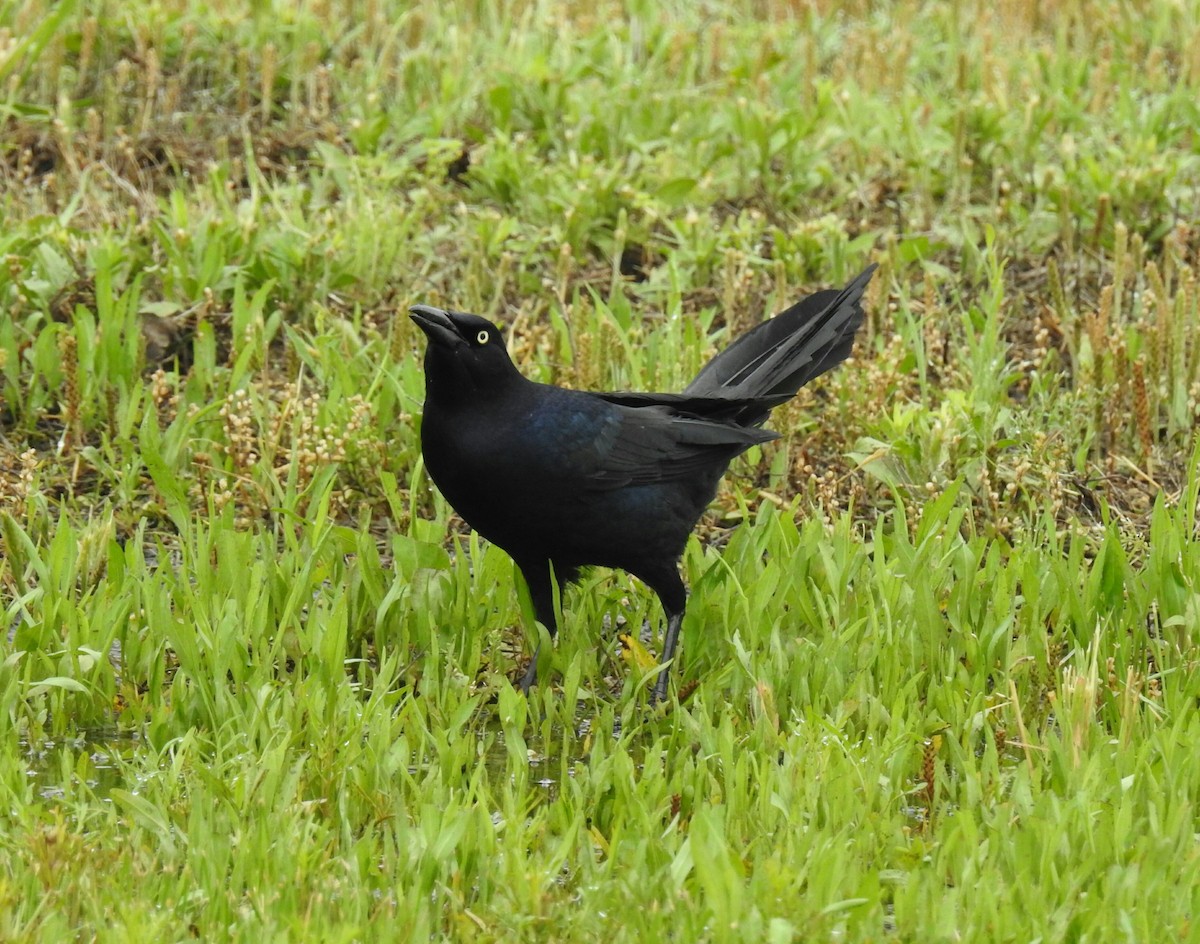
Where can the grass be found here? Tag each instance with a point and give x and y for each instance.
(940, 667)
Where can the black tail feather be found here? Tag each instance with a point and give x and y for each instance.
(781, 355)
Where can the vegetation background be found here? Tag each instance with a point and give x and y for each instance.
(940, 670)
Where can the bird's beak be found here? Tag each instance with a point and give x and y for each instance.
(436, 324)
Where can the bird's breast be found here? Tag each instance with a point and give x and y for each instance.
(513, 471)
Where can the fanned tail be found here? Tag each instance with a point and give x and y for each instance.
(780, 356)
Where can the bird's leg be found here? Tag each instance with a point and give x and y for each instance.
(538, 577)
(529, 679)
(674, 622)
(666, 582)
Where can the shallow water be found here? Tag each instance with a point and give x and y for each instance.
(91, 759)
(100, 759)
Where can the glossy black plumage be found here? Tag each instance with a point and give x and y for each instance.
(564, 479)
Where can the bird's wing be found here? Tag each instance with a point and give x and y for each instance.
(647, 444)
(708, 406)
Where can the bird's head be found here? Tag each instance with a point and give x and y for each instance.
(466, 353)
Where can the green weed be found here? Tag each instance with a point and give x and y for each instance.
(939, 671)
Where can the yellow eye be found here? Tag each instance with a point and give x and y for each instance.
(482, 337)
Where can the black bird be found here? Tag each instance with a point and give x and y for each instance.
(562, 479)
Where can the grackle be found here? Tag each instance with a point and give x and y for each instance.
(562, 479)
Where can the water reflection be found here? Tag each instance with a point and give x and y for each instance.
(99, 760)
(92, 759)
